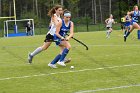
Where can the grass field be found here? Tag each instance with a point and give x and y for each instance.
(109, 66)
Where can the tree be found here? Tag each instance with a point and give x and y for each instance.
(110, 7)
(0, 7)
(92, 12)
(74, 9)
(36, 4)
(95, 11)
(101, 17)
(138, 2)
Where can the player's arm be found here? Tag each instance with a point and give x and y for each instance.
(58, 26)
(106, 21)
(55, 19)
(130, 13)
(71, 31)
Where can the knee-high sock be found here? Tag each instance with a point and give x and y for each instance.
(55, 60)
(127, 34)
(108, 33)
(64, 54)
(35, 52)
(127, 30)
(138, 33)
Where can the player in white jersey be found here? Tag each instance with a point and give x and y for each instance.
(55, 14)
(109, 21)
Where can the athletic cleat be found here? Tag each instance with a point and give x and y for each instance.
(30, 58)
(67, 60)
(124, 38)
(52, 65)
(61, 63)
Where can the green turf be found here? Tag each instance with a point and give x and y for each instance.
(107, 64)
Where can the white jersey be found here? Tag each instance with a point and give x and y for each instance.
(53, 26)
(109, 22)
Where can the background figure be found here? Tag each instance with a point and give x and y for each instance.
(109, 22)
(123, 23)
(127, 23)
(29, 31)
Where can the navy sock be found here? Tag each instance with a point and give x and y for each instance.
(138, 33)
(127, 34)
(64, 54)
(56, 59)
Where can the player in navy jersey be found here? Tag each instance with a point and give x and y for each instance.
(135, 14)
(63, 27)
(127, 23)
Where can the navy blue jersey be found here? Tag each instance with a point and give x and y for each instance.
(127, 23)
(135, 16)
(64, 29)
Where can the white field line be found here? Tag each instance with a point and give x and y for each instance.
(106, 89)
(72, 71)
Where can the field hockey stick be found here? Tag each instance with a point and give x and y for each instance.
(79, 42)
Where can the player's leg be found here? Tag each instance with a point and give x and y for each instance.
(137, 27)
(134, 26)
(38, 50)
(27, 33)
(107, 32)
(122, 26)
(131, 28)
(56, 59)
(47, 43)
(126, 29)
(110, 30)
(64, 53)
(31, 33)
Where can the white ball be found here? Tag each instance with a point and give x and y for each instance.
(72, 67)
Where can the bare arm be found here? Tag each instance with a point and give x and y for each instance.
(55, 20)
(132, 12)
(58, 26)
(106, 21)
(71, 31)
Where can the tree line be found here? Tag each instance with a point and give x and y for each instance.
(93, 11)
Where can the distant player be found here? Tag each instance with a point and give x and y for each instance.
(29, 31)
(127, 23)
(135, 14)
(109, 23)
(123, 23)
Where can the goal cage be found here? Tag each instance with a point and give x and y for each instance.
(14, 28)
